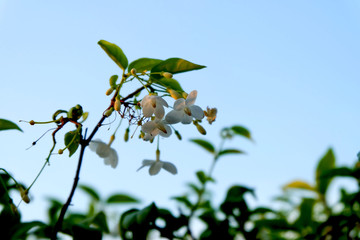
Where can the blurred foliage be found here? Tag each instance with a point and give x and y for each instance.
(309, 216)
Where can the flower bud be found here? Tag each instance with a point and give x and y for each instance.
(117, 105)
(109, 91)
(126, 136)
(14, 208)
(61, 151)
(178, 135)
(200, 128)
(113, 80)
(133, 71)
(109, 112)
(184, 94)
(24, 194)
(174, 94)
(32, 122)
(167, 75)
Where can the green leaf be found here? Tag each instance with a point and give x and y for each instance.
(230, 151)
(147, 214)
(184, 200)
(169, 83)
(8, 125)
(203, 178)
(306, 214)
(174, 65)
(91, 192)
(299, 185)
(338, 172)
(115, 53)
(326, 163)
(72, 141)
(121, 198)
(205, 144)
(128, 218)
(84, 116)
(143, 64)
(100, 221)
(241, 131)
(83, 232)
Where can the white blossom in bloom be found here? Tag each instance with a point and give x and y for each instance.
(104, 151)
(185, 110)
(152, 104)
(155, 127)
(157, 165)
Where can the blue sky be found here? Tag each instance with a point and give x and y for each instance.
(287, 70)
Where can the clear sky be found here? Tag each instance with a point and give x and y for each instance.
(287, 70)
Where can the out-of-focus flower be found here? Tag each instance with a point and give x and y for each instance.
(157, 165)
(210, 114)
(104, 151)
(152, 104)
(185, 110)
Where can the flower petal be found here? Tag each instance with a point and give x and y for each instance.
(148, 110)
(161, 101)
(174, 116)
(102, 150)
(146, 163)
(148, 127)
(186, 119)
(159, 111)
(190, 100)
(155, 168)
(168, 131)
(179, 104)
(168, 166)
(197, 112)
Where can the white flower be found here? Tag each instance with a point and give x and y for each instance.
(185, 110)
(155, 127)
(104, 151)
(156, 165)
(152, 104)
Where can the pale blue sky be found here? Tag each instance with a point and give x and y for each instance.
(287, 70)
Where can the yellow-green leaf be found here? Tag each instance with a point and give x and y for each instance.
(298, 184)
(115, 53)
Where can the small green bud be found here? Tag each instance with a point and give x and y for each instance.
(113, 80)
(133, 71)
(174, 94)
(126, 136)
(200, 128)
(109, 112)
(167, 75)
(178, 135)
(61, 151)
(109, 91)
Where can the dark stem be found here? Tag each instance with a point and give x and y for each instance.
(84, 143)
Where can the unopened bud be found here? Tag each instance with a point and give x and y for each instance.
(184, 94)
(113, 80)
(126, 136)
(61, 151)
(174, 94)
(32, 122)
(24, 194)
(167, 75)
(13, 208)
(200, 128)
(133, 71)
(117, 105)
(109, 112)
(109, 91)
(178, 135)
